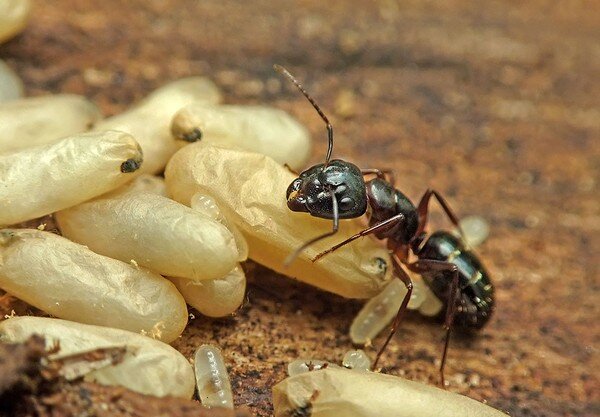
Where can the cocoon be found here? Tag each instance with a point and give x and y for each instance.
(70, 281)
(259, 129)
(250, 189)
(149, 120)
(149, 367)
(41, 180)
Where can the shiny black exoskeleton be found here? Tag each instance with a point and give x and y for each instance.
(476, 292)
(310, 192)
(337, 190)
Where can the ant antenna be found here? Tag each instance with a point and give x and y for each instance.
(285, 72)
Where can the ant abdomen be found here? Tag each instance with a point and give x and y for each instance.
(476, 303)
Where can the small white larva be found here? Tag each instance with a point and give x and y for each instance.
(335, 392)
(11, 86)
(212, 381)
(154, 231)
(250, 190)
(300, 366)
(475, 228)
(260, 129)
(41, 180)
(357, 360)
(13, 17)
(71, 282)
(149, 120)
(377, 313)
(150, 367)
(36, 121)
(206, 205)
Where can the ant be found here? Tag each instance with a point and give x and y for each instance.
(337, 190)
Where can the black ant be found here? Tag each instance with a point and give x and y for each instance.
(337, 190)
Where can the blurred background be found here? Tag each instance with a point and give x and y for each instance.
(495, 104)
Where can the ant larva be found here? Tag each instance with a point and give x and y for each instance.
(337, 190)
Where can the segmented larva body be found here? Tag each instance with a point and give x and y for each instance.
(357, 360)
(212, 381)
(381, 309)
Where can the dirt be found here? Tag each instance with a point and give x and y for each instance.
(494, 104)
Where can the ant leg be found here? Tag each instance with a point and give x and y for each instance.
(428, 265)
(336, 225)
(403, 276)
(383, 174)
(423, 210)
(392, 221)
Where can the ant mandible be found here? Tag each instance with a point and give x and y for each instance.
(337, 190)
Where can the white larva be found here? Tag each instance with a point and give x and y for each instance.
(36, 121)
(71, 282)
(13, 17)
(250, 189)
(150, 367)
(300, 366)
(212, 381)
(41, 180)
(337, 392)
(11, 86)
(154, 231)
(379, 311)
(357, 360)
(260, 129)
(475, 228)
(206, 205)
(149, 120)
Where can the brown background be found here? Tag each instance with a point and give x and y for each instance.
(495, 104)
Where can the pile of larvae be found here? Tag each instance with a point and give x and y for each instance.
(156, 208)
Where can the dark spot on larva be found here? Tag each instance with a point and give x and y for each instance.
(192, 136)
(131, 165)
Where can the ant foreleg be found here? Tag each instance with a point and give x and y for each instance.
(391, 222)
(428, 265)
(383, 174)
(403, 276)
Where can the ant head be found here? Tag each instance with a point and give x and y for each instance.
(311, 191)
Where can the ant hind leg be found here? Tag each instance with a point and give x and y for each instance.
(403, 276)
(428, 265)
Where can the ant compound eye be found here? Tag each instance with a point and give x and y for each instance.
(346, 203)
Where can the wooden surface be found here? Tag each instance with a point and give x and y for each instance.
(495, 104)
